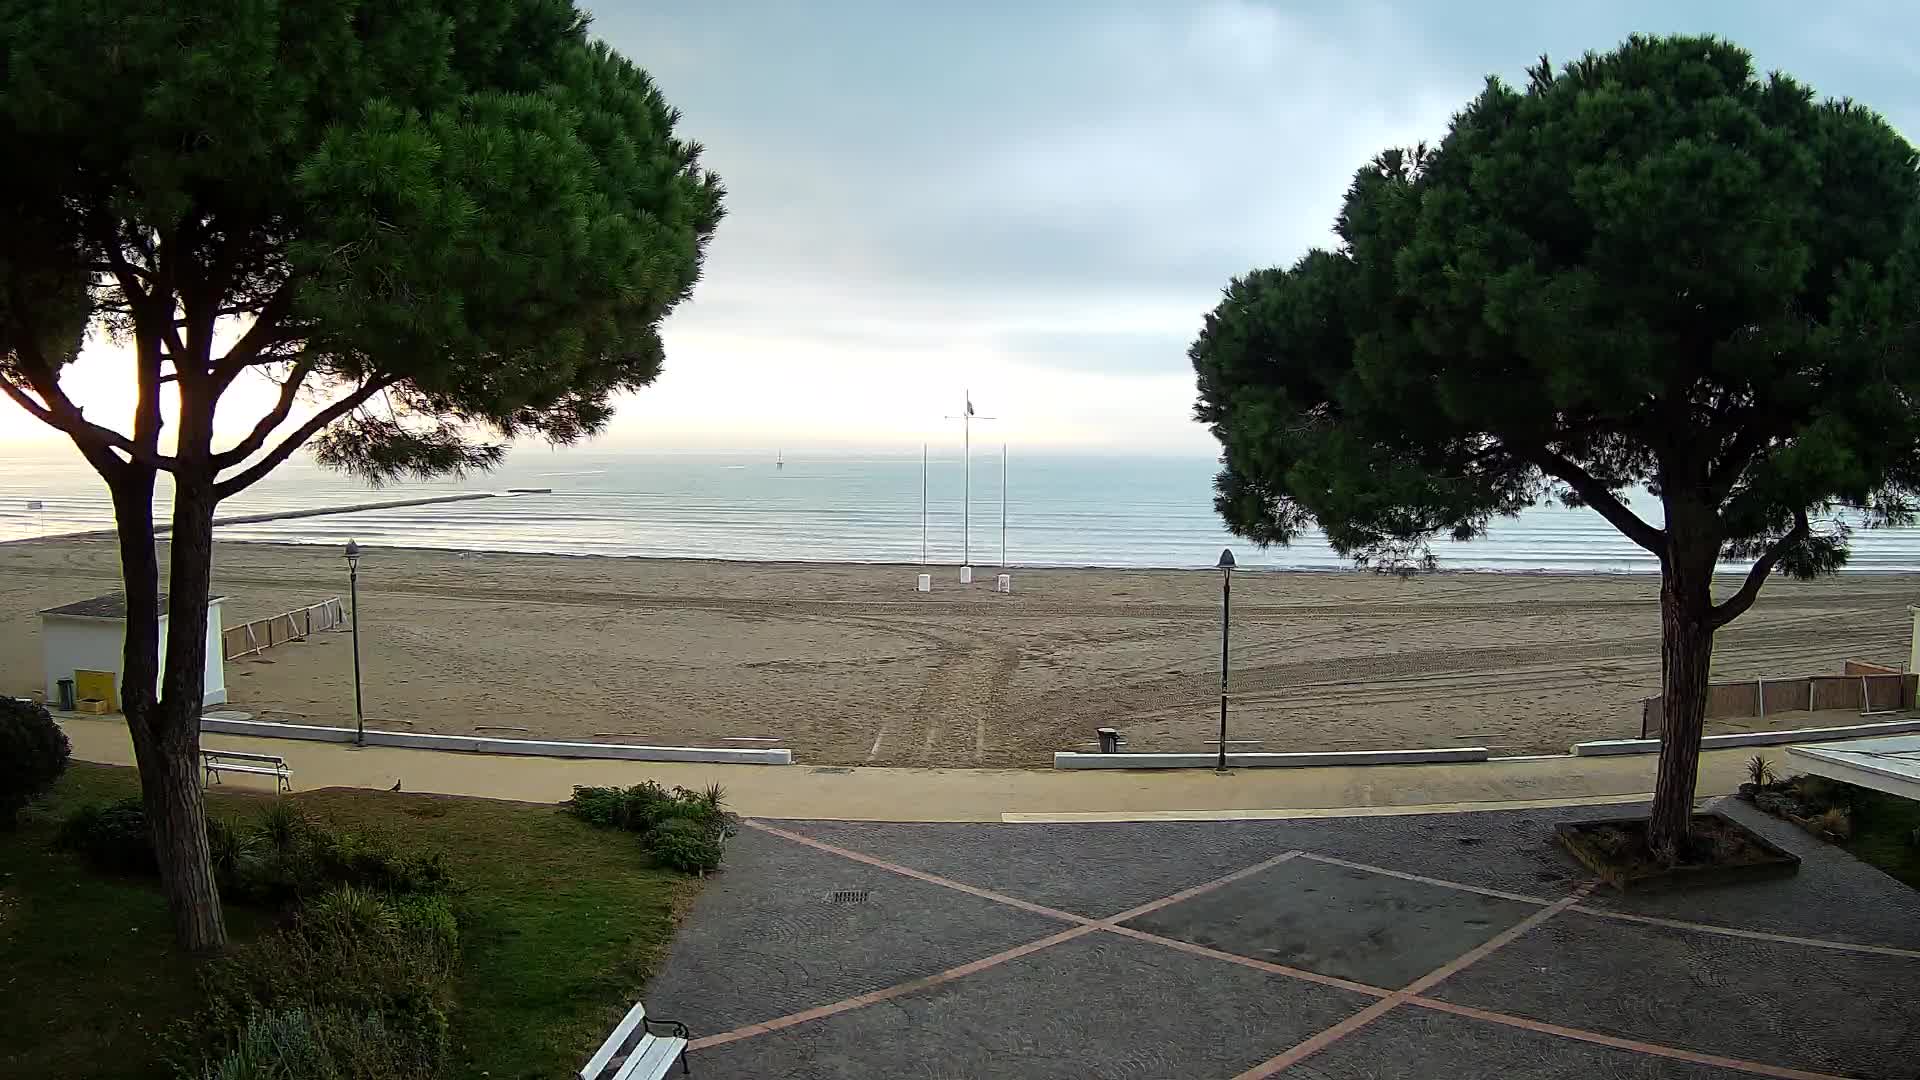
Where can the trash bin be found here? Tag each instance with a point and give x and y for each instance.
(1109, 740)
(66, 695)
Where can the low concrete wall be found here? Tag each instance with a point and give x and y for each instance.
(1609, 747)
(1079, 760)
(475, 744)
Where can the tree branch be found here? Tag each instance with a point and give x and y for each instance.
(264, 332)
(1596, 495)
(243, 480)
(1734, 606)
(1746, 443)
(257, 438)
(59, 412)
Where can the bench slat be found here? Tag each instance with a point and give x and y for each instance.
(258, 769)
(598, 1063)
(652, 1059)
(242, 756)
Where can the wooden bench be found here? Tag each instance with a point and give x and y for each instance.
(634, 1052)
(225, 761)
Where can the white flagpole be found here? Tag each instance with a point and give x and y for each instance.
(1003, 506)
(966, 496)
(923, 504)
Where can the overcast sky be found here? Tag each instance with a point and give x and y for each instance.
(1039, 201)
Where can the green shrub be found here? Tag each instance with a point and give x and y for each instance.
(113, 838)
(680, 829)
(371, 973)
(33, 754)
(282, 858)
(684, 844)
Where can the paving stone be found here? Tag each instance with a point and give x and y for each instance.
(1095, 870)
(1419, 1044)
(1096, 1006)
(1383, 931)
(1759, 1001)
(764, 939)
(1834, 896)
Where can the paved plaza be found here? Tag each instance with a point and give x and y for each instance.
(1375, 948)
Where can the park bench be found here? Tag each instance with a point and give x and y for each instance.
(225, 761)
(634, 1052)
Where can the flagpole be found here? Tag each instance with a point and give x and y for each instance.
(1003, 506)
(966, 490)
(923, 504)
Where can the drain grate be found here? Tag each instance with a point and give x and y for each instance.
(832, 769)
(848, 896)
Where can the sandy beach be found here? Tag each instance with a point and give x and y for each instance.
(847, 664)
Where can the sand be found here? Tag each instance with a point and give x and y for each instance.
(848, 665)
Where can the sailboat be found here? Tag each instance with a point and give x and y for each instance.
(779, 459)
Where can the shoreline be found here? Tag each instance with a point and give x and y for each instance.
(1731, 570)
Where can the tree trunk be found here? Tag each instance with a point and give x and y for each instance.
(1686, 658)
(175, 804)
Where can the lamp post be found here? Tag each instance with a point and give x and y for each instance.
(353, 593)
(1226, 608)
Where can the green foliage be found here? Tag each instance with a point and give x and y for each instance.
(33, 754)
(1648, 268)
(281, 858)
(680, 829)
(474, 204)
(357, 987)
(113, 837)
(688, 845)
(1760, 770)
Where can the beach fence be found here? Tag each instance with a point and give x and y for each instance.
(258, 636)
(1863, 687)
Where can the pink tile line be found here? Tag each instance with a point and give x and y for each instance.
(921, 875)
(1608, 913)
(863, 1000)
(1751, 935)
(1086, 926)
(1389, 999)
(1652, 1049)
(1316, 1043)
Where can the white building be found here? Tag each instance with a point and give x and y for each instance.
(90, 636)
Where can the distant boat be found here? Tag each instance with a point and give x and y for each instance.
(779, 459)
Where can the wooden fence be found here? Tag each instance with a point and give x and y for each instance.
(260, 635)
(1865, 688)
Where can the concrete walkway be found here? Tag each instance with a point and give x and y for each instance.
(883, 794)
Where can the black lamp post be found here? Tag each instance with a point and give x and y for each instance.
(1226, 608)
(353, 593)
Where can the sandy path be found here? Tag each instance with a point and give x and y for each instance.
(846, 664)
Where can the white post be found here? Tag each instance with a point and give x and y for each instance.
(1913, 650)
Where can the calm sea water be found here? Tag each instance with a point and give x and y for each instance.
(1061, 510)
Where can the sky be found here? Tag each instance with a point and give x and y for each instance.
(1038, 202)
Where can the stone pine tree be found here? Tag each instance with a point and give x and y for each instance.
(1650, 270)
(435, 224)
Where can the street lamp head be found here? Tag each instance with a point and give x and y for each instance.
(1226, 559)
(353, 553)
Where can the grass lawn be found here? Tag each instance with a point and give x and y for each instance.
(561, 924)
(1883, 830)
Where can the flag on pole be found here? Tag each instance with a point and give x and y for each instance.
(969, 404)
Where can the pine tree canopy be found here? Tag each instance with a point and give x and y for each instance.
(1649, 268)
(432, 221)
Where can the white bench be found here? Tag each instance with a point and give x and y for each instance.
(634, 1052)
(216, 762)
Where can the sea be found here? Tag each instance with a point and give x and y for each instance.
(1054, 509)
